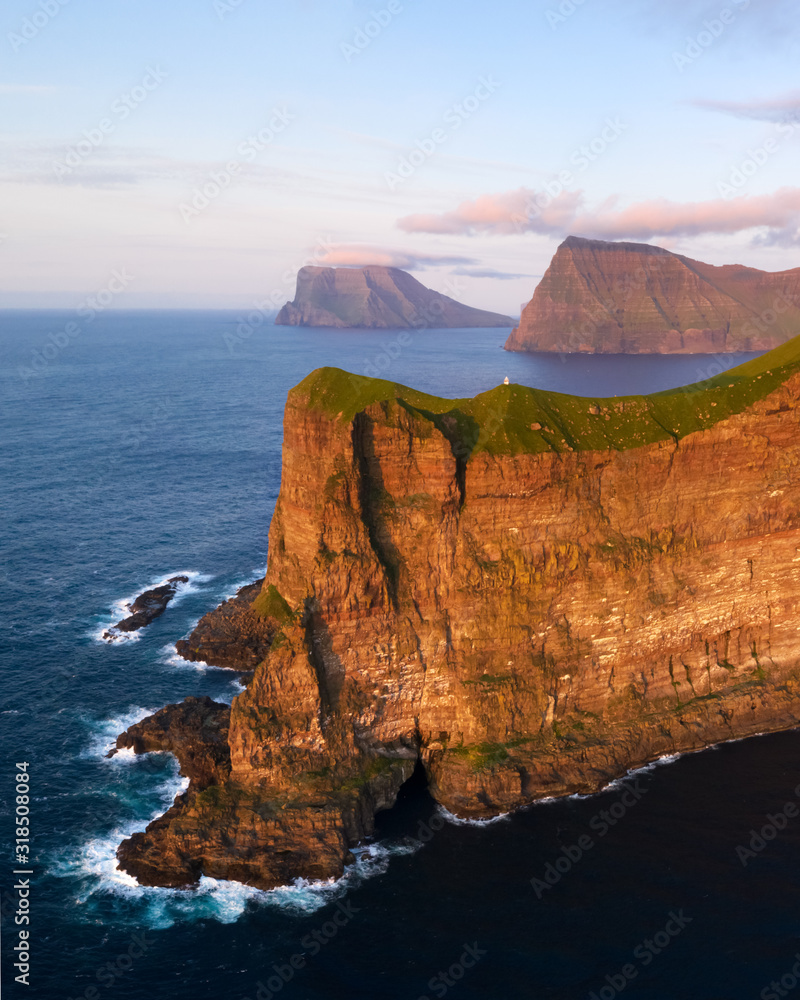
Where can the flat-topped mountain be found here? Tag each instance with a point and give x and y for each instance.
(633, 298)
(525, 594)
(377, 298)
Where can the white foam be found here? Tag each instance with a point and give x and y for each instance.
(667, 758)
(121, 609)
(462, 821)
(216, 899)
(107, 730)
(258, 574)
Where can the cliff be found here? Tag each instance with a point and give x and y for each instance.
(526, 592)
(632, 298)
(377, 298)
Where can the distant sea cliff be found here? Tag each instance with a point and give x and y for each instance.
(633, 298)
(377, 298)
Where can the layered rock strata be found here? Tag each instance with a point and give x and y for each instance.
(633, 298)
(528, 592)
(377, 298)
(234, 635)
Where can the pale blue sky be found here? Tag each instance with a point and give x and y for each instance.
(215, 72)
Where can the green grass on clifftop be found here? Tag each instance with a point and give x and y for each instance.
(514, 419)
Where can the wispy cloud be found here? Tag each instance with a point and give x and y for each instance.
(785, 108)
(525, 210)
(362, 254)
(493, 273)
(7, 89)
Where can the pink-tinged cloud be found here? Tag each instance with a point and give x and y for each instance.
(362, 255)
(785, 108)
(525, 210)
(510, 212)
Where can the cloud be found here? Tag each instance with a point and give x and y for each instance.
(363, 254)
(779, 109)
(490, 272)
(24, 88)
(509, 212)
(525, 210)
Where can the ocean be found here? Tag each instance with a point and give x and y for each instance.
(148, 444)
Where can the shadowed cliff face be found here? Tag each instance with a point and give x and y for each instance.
(528, 592)
(377, 298)
(632, 298)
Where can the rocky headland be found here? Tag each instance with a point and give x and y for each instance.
(633, 298)
(376, 298)
(525, 593)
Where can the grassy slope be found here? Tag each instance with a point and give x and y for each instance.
(500, 421)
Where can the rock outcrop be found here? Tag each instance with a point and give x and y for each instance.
(146, 608)
(377, 298)
(633, 298)
(527, 592)
(234, 635)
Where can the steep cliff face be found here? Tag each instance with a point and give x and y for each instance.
(632, 298)
(529, 592)
(377, 298)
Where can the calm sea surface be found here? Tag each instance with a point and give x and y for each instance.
(149, 444)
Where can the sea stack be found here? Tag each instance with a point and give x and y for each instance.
(633, 298)
(377, 298)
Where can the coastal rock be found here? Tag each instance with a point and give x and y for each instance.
(632, 298)
(377, 298)
(195, 731)
(148, 606)
(528, 593)
(234, 635)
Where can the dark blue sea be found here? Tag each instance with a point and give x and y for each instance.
(148, 444)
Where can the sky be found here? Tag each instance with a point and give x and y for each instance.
(197, 153)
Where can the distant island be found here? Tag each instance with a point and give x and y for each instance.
(376, 298)
(632, 298)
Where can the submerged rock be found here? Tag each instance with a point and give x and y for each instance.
(147, 607)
